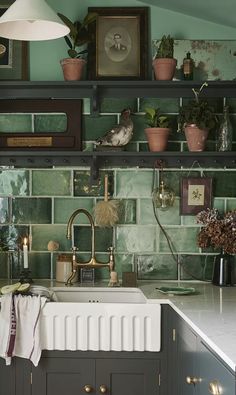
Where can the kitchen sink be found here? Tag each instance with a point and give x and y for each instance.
(100, 319)
(98, 295)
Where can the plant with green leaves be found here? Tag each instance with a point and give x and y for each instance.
(166, 48)
(79, 34)
(155, 119)
(197, 112)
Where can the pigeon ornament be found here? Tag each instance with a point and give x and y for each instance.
(119, 135)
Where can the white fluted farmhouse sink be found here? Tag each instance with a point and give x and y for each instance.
(100, 319)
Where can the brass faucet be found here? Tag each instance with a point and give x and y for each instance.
(92, 263)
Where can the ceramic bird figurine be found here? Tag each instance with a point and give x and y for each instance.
(120, 134)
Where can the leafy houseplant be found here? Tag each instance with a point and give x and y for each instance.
(78, 37)
(196, 119)
(164, 64)
(158, 131)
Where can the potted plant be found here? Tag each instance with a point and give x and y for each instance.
(158, 131)
(196, 119)
(78, 37)
(164, 63)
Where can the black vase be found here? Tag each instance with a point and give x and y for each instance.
(223, 274)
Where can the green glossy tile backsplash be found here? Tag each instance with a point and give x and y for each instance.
(37, 203)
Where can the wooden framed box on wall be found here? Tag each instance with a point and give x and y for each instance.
(41, 124)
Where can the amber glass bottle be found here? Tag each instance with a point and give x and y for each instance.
(188, 65)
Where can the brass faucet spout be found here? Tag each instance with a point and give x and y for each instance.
(93, 263)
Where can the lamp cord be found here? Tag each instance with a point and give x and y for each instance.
(170, 243)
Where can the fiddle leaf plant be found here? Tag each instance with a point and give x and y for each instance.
(154, 119)
(79, 34)
(197, 112)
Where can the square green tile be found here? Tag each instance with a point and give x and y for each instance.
(103, 123)
(124, 263)
(15, 123)
(64, 208)
(42, 234)
(127, 211)
(133, 183)
(196, 267)
(183, 239)
(133, 239)
(156, 267)
(56, 123)
(51, 182)
(14, 182)
(40, 265)
(32, 211)
(165, 105)
(231, 205)
(117, 105)
(172, 179)
(169, 217)
(224, 183)
(11, 237)
(4, 210)
(84, 187)
(103, 238)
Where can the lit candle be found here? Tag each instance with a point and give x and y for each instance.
(25, 253)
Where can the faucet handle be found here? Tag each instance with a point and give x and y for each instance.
(111, 249)
(74, 249)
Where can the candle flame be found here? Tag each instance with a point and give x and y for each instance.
(25, 241)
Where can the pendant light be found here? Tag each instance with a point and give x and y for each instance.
(31, 20)
(163, 196)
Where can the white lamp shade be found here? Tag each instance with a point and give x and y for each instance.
(31, 20)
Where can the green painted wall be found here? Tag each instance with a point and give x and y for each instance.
(45, 56)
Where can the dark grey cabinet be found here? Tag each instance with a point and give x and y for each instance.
(7, 378)
(58, 374)
(193, 368)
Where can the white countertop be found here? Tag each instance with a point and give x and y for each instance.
(211, 312)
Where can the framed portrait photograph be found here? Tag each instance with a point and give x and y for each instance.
(13, 54)
(119, 50)
(196, 195)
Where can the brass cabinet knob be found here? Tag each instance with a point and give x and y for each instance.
(192, 380)
(103, 389)
(88, 388)
(215, 387)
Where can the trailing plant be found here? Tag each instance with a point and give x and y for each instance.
(197, 112)
(166, 48)
(79, 34)
(155, 119)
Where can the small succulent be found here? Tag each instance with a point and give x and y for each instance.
(166, 48)
(155, 119)
(79, 34)
(198, 112)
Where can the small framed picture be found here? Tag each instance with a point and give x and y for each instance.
(196, 195)
(120, 47)
(13, 54)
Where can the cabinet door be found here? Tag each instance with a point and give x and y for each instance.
(213, 374)
(182, 369)
(60, 376)
(7, 378)
(127, 376)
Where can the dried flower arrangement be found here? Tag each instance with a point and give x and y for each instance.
(219, 230)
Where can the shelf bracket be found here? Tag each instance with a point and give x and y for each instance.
(94, 169)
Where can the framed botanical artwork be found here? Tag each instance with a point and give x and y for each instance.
(119, 50)
(196, 195)
(13, 54)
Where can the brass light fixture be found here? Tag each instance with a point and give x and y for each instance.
(163, 196)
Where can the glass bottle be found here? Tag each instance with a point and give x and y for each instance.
(224, 141)
(188, 67)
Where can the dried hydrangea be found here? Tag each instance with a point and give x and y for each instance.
(219, 231)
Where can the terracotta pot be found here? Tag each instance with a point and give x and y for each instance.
(72, 68)
(196, 138)
(157, 138)
(164, 68)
